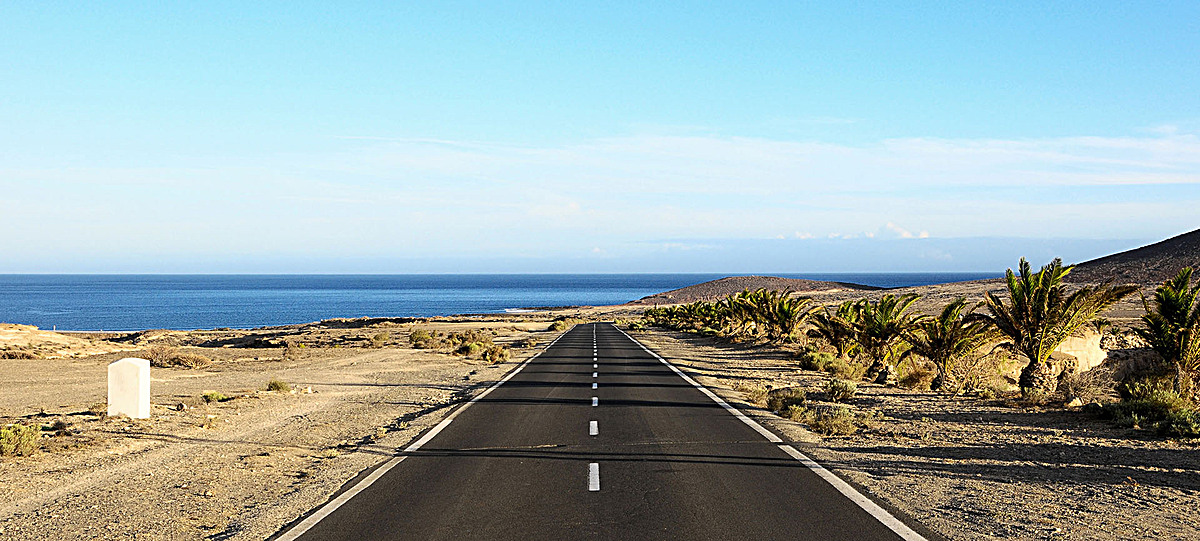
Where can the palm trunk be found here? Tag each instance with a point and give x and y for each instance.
(1038, 380)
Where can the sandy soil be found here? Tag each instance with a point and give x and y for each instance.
(238, 469)
(971, 468)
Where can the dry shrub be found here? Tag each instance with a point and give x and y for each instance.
(18, 354)
(160, 356)
(836, 421)
(563, 324)
(279, 386)
(19, 440)
(191, 360)
(840, 390)
(1095, 385)
(496, 354)
(168, 357)
(780, 399)
(918, 375)
(755, 394)
(529, 342)
(983, 373)
(380, 339)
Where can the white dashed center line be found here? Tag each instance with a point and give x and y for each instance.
(593, 428)
(595, 366)
(594, 477)
(595, 401)
(595, 374)
(593, 385)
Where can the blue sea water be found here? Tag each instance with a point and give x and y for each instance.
(135, 302)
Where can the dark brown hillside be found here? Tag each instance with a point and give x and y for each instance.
(1148, 265)
(716, 289)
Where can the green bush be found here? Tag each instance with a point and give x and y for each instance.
(19, 440)
(469, 350)
(421, 339)
(796, 412)
(214, 396)
(840, 390)
(831, 364)
(779, 399)
(815, 360)
(1151, 388)
(1152, 407)
(279, 386)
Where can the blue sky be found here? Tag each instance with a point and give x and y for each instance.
(526, 137)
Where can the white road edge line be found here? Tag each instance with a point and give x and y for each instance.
(872, 508)
(325, 510)
(593, 428)
(594, 477)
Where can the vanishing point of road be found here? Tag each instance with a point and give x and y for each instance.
(599, 438)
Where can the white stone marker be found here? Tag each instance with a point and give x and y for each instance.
(129, 388)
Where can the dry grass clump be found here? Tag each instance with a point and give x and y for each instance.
(279, 386)
(379, 340)
(19, 440)
(18, 354)
(169, 357)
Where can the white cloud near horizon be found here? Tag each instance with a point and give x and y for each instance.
(434, 198)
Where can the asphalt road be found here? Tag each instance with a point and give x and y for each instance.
(598, 439)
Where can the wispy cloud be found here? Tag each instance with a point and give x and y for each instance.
(432, 197)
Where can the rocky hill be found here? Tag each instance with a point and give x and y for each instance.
(716, 289)
(1148, 265)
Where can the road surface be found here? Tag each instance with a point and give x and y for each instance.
(597, 438)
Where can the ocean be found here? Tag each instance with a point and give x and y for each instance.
(136, 302)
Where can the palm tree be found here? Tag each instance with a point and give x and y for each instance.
(881, 328)
(785, 315)
(838, 328)
(1173, 329)
(947, 339)
(1040, 315)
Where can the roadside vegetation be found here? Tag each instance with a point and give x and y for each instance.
(962, 349)
(472, 344)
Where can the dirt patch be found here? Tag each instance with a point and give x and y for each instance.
(971, 468)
